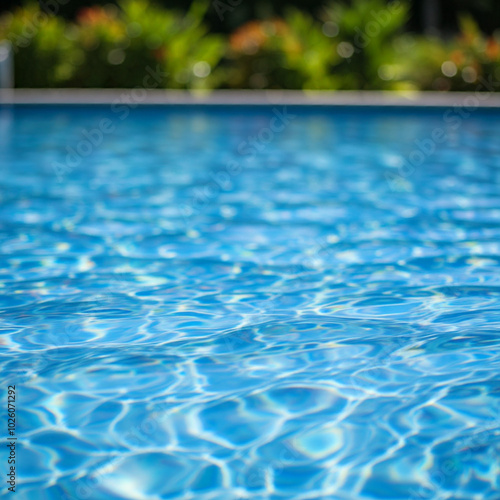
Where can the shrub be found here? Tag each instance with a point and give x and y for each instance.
(356, 45)
(43, 56)
(113, 47)
(458, 64)
(289, 53)
(364, 32)
(350, 49)
(119, 46)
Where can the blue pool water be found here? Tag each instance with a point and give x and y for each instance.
(233, 303)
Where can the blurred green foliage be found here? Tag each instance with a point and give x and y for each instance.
(288, 53)
(118, 45)
(349, 45)
(457, 64)
(42, 53)
(365, 30)
(114, 47)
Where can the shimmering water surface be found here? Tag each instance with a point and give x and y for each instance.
(209, 303)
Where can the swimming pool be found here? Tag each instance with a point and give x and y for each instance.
(265, 302)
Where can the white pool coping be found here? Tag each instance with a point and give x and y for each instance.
(483, 99)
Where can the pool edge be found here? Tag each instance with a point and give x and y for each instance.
(141, 96)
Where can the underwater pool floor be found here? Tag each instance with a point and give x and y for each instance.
(266, 303)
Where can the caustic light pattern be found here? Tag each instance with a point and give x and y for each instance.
(251, 303)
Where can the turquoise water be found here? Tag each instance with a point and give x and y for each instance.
(232, 303)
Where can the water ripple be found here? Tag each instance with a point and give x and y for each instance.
(301, 329)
